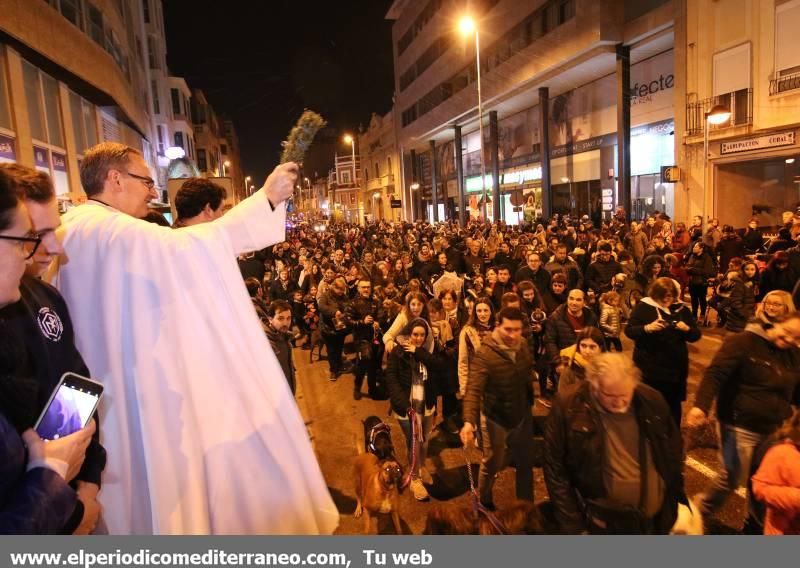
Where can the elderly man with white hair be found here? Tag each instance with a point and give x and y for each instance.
(614, 454)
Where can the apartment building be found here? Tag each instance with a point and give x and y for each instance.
(379, 162)
(743, 57)
(74, 73)
(551, 75)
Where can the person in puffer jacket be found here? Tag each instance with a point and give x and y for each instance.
(776, 483)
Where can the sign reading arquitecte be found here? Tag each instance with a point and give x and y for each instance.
(786, 138)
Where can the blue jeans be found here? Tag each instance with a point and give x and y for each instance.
(422, 447)
(736, 454)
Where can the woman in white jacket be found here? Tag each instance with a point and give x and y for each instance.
(416, 306)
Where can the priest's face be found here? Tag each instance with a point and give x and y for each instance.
(136, 188)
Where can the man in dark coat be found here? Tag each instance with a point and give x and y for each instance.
(613, 455)
(602, 270)
(564, 324)
(279, 322)
(498, 400)
(535, 272)
(364, 312)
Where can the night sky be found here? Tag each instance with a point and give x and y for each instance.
(260, 62)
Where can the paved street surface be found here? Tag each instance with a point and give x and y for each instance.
(334, 423)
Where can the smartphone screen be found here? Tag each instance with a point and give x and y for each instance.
(70, 407)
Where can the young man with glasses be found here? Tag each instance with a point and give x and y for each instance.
(163, 319)
(42, 319)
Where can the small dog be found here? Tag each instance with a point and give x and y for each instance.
(377, 489)
(689, 521)
(316, 341)
(378, 438)
(520, 518)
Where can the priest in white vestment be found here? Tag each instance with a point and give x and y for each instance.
(202, 432)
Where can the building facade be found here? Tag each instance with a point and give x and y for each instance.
(379, 162)
(74, 73)
(550, 76)
(743, 55)
(344, 188)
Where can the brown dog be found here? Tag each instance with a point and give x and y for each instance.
(520, 518)
(377, 489)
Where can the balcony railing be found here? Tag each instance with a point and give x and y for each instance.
(740, 104)
(784, 83)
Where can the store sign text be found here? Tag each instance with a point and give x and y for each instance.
(760, 143)
(522, 176)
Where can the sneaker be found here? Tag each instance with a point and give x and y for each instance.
(418, 490)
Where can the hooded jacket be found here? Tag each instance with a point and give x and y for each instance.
(400, 367)
(753, 382)
(662, 356)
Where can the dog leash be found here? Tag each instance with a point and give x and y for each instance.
(477, 506)
(412, 417)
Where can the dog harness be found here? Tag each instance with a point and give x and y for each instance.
(373, 433)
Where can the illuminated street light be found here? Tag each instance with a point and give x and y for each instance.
(467, 27)
(717, 115)
(175, 152)
(790, 160)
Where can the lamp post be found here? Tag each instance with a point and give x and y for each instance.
(467, 26)
(717, 115)
(225, 165)
(247, 185)
(352, 141)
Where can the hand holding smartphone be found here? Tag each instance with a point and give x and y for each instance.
(70, 408)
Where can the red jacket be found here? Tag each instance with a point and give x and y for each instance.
(777, 484)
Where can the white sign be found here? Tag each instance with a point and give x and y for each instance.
(607, 200)
(607, 207)
(608, 193)
(522, 176)
(786, 138)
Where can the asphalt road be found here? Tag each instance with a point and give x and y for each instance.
(334, 422)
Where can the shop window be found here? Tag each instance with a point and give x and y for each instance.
(5, 113)
(89, 123)
(55, 129)
(77, 122)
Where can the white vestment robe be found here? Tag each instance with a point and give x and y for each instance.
(202, 432)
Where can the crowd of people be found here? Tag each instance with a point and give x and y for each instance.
(492, 318)
(464, 328)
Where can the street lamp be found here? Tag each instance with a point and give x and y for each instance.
(467, 27)
(225, 165)
(718, 114)
(246, 184)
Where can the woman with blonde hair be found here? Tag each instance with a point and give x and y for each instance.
(775, 305)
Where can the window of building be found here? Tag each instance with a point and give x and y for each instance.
(732, 70)
(389, 165)
(185, 105)
(71, 10)
(202, 163)
(377, 170)
(96, 30)
(152, 53)
(160, 137)
(84, 125)
(346, 178)
(156, 101)
(223, 148)
(146, 10)
(176, 102)
(55, 128)
(5, 112)
(787, 40)
(89, 123)
(179, 139)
